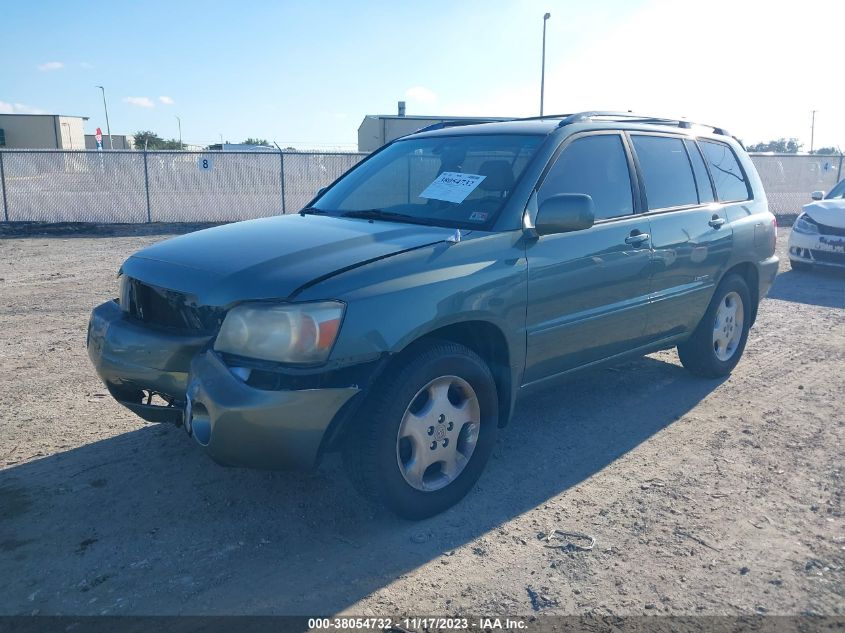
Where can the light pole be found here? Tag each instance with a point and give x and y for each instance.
(813, 130)
(108, 127)
(178, 120)
(543, 71)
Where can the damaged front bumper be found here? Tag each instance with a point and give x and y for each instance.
(237, 424)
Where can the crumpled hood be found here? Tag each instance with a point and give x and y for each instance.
(829, 212)
(271, 258)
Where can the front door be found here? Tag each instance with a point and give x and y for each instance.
(588, 290)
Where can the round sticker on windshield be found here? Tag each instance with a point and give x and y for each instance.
(478, 216)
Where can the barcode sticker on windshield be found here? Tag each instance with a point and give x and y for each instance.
(452, 186)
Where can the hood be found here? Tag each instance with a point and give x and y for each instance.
(829, 212)
(272, 258)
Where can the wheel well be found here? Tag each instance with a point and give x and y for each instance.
(489, 342)
(749, 273)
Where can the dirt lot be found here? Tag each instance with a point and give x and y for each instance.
(704, 496)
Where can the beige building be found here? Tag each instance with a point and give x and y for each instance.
(377, 129)
(42, 131)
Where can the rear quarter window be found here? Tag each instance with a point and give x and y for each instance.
(728, 177)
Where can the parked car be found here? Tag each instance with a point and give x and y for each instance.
(399, 316)
(818, 234)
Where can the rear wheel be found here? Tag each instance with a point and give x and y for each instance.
(717, 344)
(426, 432)
(800, 266)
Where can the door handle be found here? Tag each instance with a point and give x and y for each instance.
(637, 238)
(716, 221)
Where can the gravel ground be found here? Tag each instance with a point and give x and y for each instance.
(704, 496)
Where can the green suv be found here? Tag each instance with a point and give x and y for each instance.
(399, 316)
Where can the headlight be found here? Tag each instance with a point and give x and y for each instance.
(805, 225)
(286, 333)
(123, 290)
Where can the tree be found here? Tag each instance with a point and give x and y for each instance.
(780, 146)
(827, 150)
(150, 140)
(256, 141)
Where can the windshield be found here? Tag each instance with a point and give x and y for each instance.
(456, 181)
(837, 192)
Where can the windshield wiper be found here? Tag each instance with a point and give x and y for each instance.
(312, 211)
(381, 214)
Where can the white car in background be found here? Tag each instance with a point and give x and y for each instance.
(818, 235)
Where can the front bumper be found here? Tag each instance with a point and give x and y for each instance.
(821, 250)
(237, 424)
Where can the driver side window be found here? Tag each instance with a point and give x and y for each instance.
(597, 166)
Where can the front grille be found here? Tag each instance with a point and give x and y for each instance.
(829, 257)
(169, 309)
(824, 229)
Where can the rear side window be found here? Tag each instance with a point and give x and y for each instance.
(702, 180)
(597, 166)
(728, 177)
(667, 173)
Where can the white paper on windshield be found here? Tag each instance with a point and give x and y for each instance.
(452, 186)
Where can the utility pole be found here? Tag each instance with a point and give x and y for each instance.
(813, 131)
(179, 121)
(108, 127)
(543, 71)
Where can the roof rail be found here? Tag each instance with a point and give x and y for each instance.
(457, 123)
(632, 117)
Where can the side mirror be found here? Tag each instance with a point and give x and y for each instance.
(565, 212)
(817, 195)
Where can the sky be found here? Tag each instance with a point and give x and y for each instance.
(304, 74)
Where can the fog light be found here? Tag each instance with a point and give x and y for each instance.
(241, 372)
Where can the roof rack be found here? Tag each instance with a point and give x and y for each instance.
(631, 117)
(457, 123)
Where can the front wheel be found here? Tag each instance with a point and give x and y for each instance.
(717, 344)
(426, 432)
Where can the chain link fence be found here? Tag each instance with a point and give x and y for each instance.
(161, 186)
(168, 186)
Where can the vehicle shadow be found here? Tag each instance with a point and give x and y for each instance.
(144, 523)
(821, 287)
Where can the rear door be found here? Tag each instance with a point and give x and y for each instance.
(588, 290)
(691, 237)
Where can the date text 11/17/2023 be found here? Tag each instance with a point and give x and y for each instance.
(417, 623)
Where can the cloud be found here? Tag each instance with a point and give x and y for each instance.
(141, 102)
(18, 108)
(51, 66)
(166, 100)
(86, 65)
(421, 94)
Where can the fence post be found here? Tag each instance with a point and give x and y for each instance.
(147, 187)
(838, 172)
(3, 185)
(282, 178)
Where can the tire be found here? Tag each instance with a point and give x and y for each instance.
(716, 346)
(415, 400)
(803, 267)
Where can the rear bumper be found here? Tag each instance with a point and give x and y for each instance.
(767, 271)
(238, 425)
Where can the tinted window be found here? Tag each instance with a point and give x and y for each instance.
(727, 175)
(702, 180)
(597, 166)
(667, 174)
